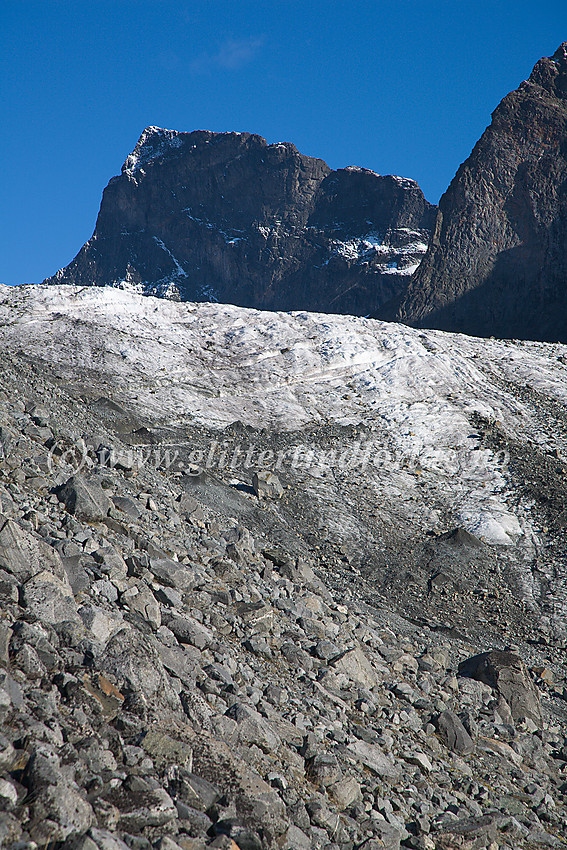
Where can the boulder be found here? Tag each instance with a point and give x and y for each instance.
(454, 733)
(50, 598)
(86, 500)
(507, 674)
(267, 485)
(24, 554)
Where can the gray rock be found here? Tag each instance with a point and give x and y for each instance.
(144, 603)
(8, 796)
(296, 839)
(324, 769)
(258, 646)
(243, 837)
(196, 791)
(100, 839)
(404, 691)
(372, 756)
(169, 596)
(25, 554)
(357, 667)
(166, 750)
(127, 506)
(10, 693)
(188, 630)
(7, 754)
(99, 623)
(257, 616)
(167, 843)
(454, 733)
(345, 792)
(7, 441)
(10, 831)
(485, 826)
(302, 573)
(50, 598)
(190, 508)
(76, 570)
(135, 665)
(111, 561)
(267, 485)
(506, 673)
(253, 728)
(388, 838)
(296, 656)
(173, 574)
(59, 812)
(140, 809)
(85, 500)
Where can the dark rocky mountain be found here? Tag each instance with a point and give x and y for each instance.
(227, 217)
(497, 264)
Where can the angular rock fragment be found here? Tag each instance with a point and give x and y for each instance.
(454, 733)
(188, 630)
(372, 756)
(86, 500)
(267, 485)
(257, 616)
(196, 791)
(253, 728)
(166, 750)
(50, 598)
(324, 769)
(357, 667)
(507, 674)
(173, 574)
(143, 808)
(134, 664)
(24, 554)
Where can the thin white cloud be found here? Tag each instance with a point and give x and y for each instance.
(231, 55)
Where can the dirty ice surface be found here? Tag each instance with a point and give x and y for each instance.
(212, 364)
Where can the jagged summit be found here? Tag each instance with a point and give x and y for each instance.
(155, 142)
(497, 262)
(551, 73)
(228, 217)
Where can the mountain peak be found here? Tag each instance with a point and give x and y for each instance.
(551, 73)
(496, 264)
(560, 55)
(228, 217)
(153, 142)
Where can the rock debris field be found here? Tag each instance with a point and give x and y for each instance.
(330, 654)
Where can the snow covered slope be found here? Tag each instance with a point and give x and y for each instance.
(387, 430)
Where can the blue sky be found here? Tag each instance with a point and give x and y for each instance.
(401, 87)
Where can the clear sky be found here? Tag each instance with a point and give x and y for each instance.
(399, 86)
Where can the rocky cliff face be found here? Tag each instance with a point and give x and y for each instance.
(227, 217)
(497, 264)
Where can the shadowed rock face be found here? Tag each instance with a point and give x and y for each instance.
(497, 263)
(226, 217)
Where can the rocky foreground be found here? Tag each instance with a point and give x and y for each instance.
(174, 674)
